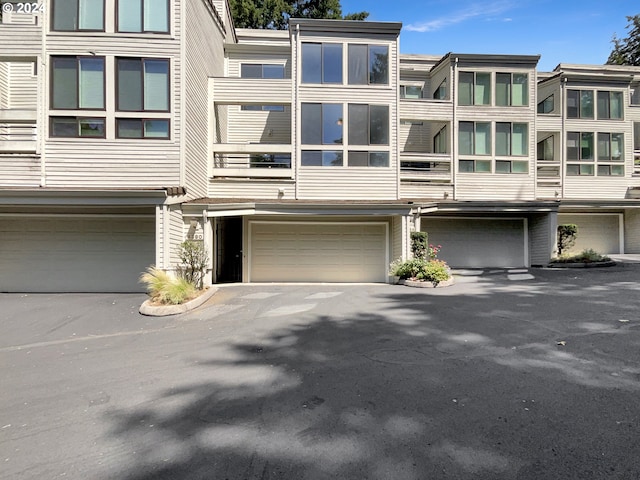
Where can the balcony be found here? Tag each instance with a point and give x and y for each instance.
(245, 91)
(422, 108)
(18, 131)
(252, 161)
(425, 167)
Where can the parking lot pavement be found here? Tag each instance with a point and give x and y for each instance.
(495, 377)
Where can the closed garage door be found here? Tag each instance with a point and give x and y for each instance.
(75, 254)
(323, 252)
(599, 232)
(477, 242)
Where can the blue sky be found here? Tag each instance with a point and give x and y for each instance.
(562, 31)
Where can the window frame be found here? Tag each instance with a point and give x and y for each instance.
(543, 104)
(510, 140)
(142, 80)
(609, 94)
(474, 85)
(369, 154)
(322, 63)
(580, 115)
(388, 126)
(262, 65)
(473, 139)
(475, 168)
(53, 15)
(142, 122)
(403, 92)
(78, 119)
(510, 85)
(322, 153)
(77, 58)
(369, 82)
(142, 30)
(511, 163)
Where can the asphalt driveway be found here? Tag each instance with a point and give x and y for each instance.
(505, 375)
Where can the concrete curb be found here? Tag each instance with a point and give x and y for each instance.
(582, 265)
(164, 310)
(417, 284)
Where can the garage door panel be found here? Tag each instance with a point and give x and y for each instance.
(318, 252)
(478, 242)
(75, 254)
(599, 232)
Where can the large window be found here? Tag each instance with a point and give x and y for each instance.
(579, 104)
(512, 89)
(368, 64)
(580, 149)
(77, 83)
(410, 91)
(474, 138)
(368, 159)
(77, 15)
(256, 70)
(512, 139)
(610, 105)
(322, 124)
(610, 147)
(143, 85)
(474, 88)
(143, 16)
(76, 127)
(321, 158)
(368, 124)
(321, 63)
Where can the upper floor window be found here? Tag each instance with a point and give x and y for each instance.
(77, 83)
(512, 89)
(142, 128)
(610, 105)
(474, 138)
(368, 124)
(410, 91)
(77, 15)
(143, 16)
(610, 147)
(257, 70)
(76, 127)
(474, 88)
(579, 104)
(441, 91)
(143, 84)
(368, 64)
(322, 124)
(580, 146)
(321, 63)
(262, 108)
(547, 105)
(512, 139)
(546, 149)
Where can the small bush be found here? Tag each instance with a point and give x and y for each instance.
(420, 244)
(434, 271)
(586, 256)
(194, 260)
(165, 289)
(567, 235)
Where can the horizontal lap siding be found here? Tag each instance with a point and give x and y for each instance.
(4, 85)
(205, 58)
(425, 190)
(478, 186)
(541, 233)
(251, 189)
(176, 235)
(23, 86)
(30, 44)
(632, 231)
(19, 171)
(259, 127)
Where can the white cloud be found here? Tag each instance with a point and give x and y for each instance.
(474, 11)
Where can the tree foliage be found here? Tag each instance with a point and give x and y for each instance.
(275, 14)
(626, 51)
(567, 235)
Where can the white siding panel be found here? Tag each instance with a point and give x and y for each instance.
(477, 186)
(540, 238)
(23, 86)
(176, 235)
(347, 183)
(4, 85)
(251, 189)
(30, 40)
(425, 190)
(19, 171)
(259, 126)
(632, 231)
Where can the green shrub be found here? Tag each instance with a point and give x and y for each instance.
(194, 260)
(567, 235)
(434, 271)
(420, 244)
(165, 289)
(586, 256)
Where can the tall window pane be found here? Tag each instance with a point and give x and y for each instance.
(616, 105)
(482, 89)
(573, 151)
(358, 68)
(91, 14)
(465, 138)
(573, 100)
(520, 90)
(311, 123)
(503, 139)
(129, 15)
(65, 15)
(331, 123)
(65, 83)
(503, 84)
(465, 88)
(483, 139)
(603, 105)
(586, 104)
(358, 124)
(91, 91)
(604, 153)
(156, 85)
(378, 64)
(586, 146)
(156, 16)
(332, 63)
(519, 142)
(129, 85)
(379, 125)
(311, 63)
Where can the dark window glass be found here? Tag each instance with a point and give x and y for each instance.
(332, 63)
(311, 158)
(143, 16)
(73, 127)
(358, 65)
(379, 125)
(76, 15)
(311, 123)
(143, 84)
(358, 159)
(358, 124)
(378, 64)
(311, 63)
(331, 123)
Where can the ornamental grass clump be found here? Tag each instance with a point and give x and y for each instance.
(165, 289)
(588, 255)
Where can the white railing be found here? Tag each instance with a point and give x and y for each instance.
(425, 166)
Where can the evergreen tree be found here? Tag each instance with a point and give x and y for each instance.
(626, 51)
(275, 14)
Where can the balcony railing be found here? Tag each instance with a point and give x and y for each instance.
(265, 165)
(425, 167)
(18, 131)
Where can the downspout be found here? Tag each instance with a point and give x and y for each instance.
(563, 135)
(454, 129)
(295, 112)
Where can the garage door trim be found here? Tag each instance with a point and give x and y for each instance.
(299, 222)
(525, 228)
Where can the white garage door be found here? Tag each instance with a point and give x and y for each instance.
(478, 242)
(326, 252)
(599, 232)
(75, 254)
